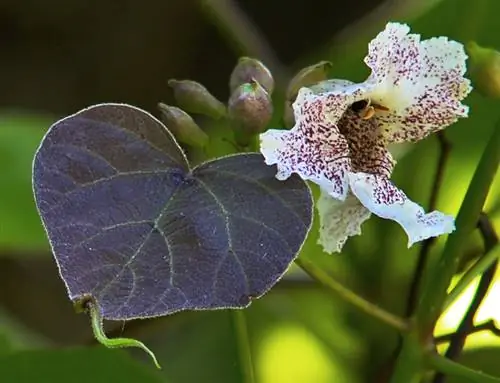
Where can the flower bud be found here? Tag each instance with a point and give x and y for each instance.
(195, 98)
(484, 69)
(250, 109)
(248, 69)
(182, 126)
(288, 116)
(307, 77)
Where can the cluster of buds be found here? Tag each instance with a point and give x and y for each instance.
(194, 98)
(249, 108)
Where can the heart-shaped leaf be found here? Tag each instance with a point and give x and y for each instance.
(133, 227)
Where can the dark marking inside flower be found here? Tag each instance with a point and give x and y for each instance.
(358, 106)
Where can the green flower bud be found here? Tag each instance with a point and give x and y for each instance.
(484, 69)
(248, 69)
(250, 109)
(195, 98)
(182, 126)
(307, 77)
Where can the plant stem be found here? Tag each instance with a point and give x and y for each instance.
(457, 341)
(478, 268)
(489, 325)
(423, 256)
(492, 249)
(435, 287)
(349, 296)
(444, 154)
(409, 368)
(451, 368)
(243, 340)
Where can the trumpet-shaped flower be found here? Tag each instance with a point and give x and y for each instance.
(342, 131)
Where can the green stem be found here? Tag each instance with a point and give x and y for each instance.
(243, 340)
(409, 368)
(97, 328)
(349, 296)
(434, 291)
(477, 269)
(423, 256)
(451, 368)
(436, 282)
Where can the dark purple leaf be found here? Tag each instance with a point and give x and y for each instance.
(132, 226)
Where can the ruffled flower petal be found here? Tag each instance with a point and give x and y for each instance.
(379, 195)
(339, 220)
(314, 147)
(420, 82)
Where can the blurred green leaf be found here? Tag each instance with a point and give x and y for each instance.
(483, 359)
(20, 225)
(96, 365)
(301, 333)
(5, 345)
(14, 336)
(201, 348)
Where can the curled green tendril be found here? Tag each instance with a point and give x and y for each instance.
(87, 304)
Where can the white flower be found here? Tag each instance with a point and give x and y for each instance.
(342, 130)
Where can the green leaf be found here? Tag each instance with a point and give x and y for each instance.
(20, 226)
(5, 344)
(96, 365)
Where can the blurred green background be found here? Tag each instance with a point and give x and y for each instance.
(61, 56)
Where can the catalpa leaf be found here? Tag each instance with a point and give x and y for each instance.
(132, 226)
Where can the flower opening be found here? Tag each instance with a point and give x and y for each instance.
(342, 131)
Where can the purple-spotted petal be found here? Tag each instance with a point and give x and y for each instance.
(339, 220)
(379, 195)
(421, 83)
(314, 148)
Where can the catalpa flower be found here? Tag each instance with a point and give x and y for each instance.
(342, 131)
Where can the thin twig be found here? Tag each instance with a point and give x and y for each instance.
(489, 325)
(466, 326)
(478, 268)
(245, 35)
(444, 153)
(351, 297)
(488, 233)
(243, 344)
